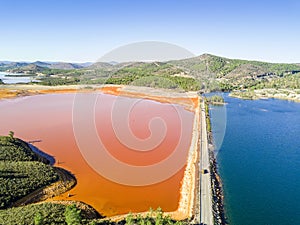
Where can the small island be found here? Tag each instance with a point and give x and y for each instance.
(215, 100)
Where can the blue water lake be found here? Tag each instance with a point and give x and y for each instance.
(259, 160)
(15, 79)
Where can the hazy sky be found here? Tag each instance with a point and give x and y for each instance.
(81, 31)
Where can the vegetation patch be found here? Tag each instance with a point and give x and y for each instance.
(19, 179)
(21, 170)
(215, 100)
(46, 213)
(14, 149)
(153, 217)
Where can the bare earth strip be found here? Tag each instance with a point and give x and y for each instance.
(187, 195)
(66, 182)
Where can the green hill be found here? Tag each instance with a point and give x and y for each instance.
(19, 179)
(205, 72)
(21, 171)
(14, 149)
(207, 64)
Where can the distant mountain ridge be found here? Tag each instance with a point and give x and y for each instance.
(203, 66)
(50, 65)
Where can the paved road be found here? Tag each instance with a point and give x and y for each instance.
(206, 215)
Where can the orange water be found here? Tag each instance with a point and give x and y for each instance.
(49, 118)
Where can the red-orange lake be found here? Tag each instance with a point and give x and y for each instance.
(50, 118)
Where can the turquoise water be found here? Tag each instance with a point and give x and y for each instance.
(259, 160)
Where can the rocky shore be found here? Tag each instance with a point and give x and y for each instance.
(216, 186)
(217, 193)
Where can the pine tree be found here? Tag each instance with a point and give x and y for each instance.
(38, 219)
(72, 215)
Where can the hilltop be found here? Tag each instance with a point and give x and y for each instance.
(19, 67)
(221, 67)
